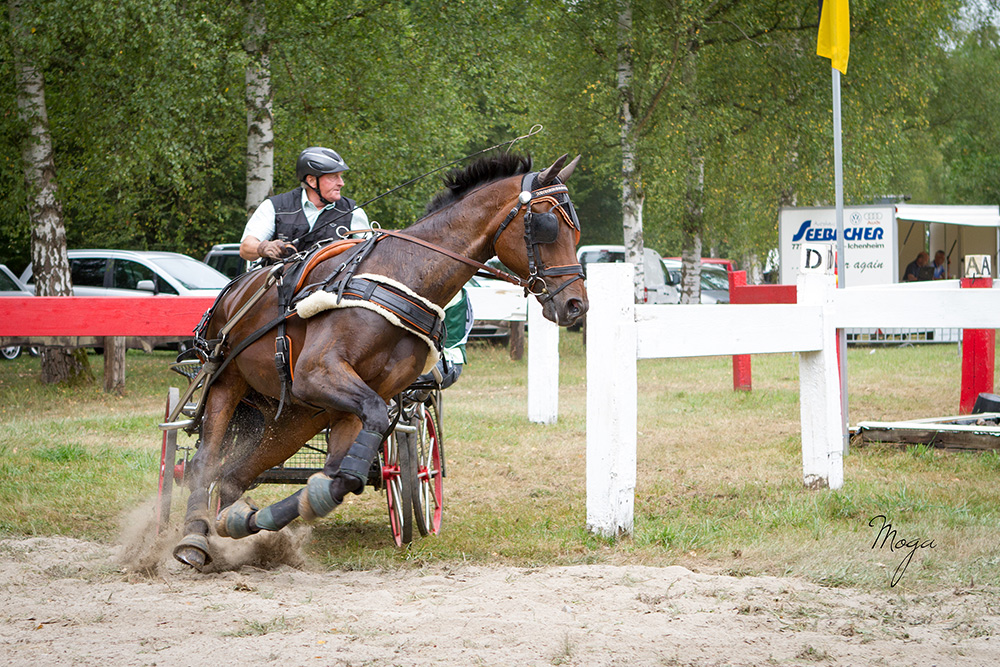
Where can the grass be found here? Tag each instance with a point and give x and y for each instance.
(719, 476)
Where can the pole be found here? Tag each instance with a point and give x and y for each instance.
(838, 169)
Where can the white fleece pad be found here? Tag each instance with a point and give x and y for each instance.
(321, 300)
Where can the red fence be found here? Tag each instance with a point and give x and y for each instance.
(61, 316)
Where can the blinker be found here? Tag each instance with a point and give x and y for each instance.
(545, 227)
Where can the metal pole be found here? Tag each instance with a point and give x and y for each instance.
(838, 169)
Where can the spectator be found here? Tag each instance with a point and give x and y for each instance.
(940, 265)
(912, 272)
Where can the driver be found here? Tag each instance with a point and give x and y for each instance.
(311, 212)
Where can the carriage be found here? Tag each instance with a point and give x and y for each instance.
(331, 342)
(409, 468)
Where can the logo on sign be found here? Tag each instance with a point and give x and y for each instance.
(809, 233)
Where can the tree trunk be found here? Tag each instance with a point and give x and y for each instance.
(694, 189)
(260, 117)
(48, 233)
(632, 191)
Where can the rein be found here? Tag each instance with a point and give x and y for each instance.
(537, 271)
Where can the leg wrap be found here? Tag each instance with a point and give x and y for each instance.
(277, 516)
(234, 521)
(360, 456)
(318, 498)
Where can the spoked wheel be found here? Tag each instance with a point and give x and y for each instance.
(428, 494)
(398, 475)
(168, 457)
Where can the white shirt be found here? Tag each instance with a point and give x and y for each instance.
(261, 223)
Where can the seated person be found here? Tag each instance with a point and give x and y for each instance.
(940, 265)
(912, 272)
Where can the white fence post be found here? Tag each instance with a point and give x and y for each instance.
(819, 391)
(612, 410)
(543, 366)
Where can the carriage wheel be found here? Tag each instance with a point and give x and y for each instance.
(398, 474)
(168, 456)
(428, 493)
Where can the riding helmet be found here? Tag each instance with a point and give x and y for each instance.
(317, 161)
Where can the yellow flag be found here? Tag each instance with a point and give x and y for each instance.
(835, 33)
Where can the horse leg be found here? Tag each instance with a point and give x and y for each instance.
(279, 441)
(349, 459)
(221, 402)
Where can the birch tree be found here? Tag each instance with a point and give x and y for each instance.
(48, 232)
(260, 115)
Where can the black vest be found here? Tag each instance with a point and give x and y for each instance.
(290, 221)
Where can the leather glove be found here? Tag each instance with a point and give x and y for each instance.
(275, 249)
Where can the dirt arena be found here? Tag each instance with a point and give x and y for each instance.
(70, 602)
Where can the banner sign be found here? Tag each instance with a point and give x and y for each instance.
(869, 241)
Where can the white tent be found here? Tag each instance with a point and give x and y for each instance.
(972, 216)
(957, 230)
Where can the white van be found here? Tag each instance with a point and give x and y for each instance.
(659, 286)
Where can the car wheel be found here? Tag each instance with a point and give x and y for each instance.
(11, 352)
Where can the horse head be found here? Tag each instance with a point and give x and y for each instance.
(544, 254)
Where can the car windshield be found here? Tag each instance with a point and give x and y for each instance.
(191, 273)
(605, 256)
(713, 279)
(7, 284)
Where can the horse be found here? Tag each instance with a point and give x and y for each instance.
(347, 363)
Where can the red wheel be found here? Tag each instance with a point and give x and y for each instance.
(168, 455)
(397, 478)
(428, 496)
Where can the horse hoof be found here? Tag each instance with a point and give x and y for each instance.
(234, 521)
(193, 551)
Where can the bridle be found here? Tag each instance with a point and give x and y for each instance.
(539, 229)
(542, 229)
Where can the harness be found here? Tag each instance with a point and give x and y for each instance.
(291, 275)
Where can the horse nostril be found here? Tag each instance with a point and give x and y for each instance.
(575, 308)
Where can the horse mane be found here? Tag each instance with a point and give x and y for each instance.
(458, 182)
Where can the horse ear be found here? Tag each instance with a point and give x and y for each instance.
(549, 174)
(567, 171)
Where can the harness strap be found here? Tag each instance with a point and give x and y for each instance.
(410, 311)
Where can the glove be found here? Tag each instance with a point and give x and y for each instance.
(275, 249)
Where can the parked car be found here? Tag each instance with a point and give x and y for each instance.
(714, 278)
(138, 273)
(225, 258)
(11, 286)
(658, 289)
(495, 303)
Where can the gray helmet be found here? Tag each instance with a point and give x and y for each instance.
(317, 161)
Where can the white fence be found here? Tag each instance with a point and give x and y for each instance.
(620, 332)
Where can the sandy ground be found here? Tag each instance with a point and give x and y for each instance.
(70, 602)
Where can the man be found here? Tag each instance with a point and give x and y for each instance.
(912, 272)
(940, 265)
(295, 220)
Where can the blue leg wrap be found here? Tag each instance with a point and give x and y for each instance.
(360, 456)
(319, 496)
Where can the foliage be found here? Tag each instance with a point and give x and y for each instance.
(148, 118)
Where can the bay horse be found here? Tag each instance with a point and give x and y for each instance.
(347, 363)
